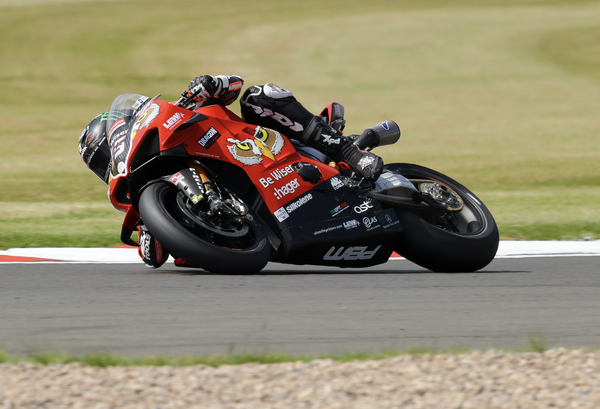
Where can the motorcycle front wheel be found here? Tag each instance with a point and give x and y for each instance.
(463, 239)
(187, 237)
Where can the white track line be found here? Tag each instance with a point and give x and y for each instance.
(507, 249)
(520, 249)
(75, 255)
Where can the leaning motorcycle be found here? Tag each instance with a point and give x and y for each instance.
(228, 196)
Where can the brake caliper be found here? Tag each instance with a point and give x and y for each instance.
(442, 194)
(200, 190)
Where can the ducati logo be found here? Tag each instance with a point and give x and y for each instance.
(350, 253)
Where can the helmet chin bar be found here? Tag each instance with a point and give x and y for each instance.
(94, 148)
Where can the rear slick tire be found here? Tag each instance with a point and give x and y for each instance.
(441, 249)
(161, 215)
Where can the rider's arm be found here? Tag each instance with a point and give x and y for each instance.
(210, 90)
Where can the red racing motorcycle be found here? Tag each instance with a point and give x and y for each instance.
(228, 196)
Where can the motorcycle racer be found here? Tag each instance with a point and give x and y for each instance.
(274, 107)
(265, 105)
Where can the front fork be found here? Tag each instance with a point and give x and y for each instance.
(201, 191)
(194, 183)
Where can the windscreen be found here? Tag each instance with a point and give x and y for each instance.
(121, 110)
(118, 127)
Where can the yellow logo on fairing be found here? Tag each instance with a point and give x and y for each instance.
(251, 151)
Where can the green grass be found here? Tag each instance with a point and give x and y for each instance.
(536, 343)
(63, 225)
(104, 359)
(500, 95)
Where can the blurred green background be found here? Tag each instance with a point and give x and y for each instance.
(502, 95)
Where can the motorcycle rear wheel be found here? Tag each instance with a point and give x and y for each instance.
(461, 241)
(183, 237)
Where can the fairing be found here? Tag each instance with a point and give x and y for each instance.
(304, 200)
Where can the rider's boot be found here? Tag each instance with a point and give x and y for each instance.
(343, 149)
(276, 108)
(151, 251)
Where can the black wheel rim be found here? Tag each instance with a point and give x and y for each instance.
(225, 224)
(228, 233)
(469, 220)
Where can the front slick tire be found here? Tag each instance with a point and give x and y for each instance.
(219, 254)
(461, 241)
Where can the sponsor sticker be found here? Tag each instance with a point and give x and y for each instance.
(281, 214)
(390, 221)
(340, 208)
(276, 175)
(351, 253)
(115, 126)
(327, 230)
(210, 155)
(196, 198)
(139, 102)
(176, 178)
(286, 189)
(371, 223)
(234, 86)
(298, 203)
(174, 120)
(209, 138)
(330, 139)
(336, 183)
(351, 224)
(363, 207)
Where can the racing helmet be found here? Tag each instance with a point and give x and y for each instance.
(94, 149)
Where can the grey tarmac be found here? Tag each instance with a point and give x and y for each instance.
(128, 309)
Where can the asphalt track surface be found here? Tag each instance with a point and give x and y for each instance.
(132, 310)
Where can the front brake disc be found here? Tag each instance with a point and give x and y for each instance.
(441, 193)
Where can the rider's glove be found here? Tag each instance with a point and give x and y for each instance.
(202, 88)
(150, 250)
(364, 164)
(209, 90)
(229, 89)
